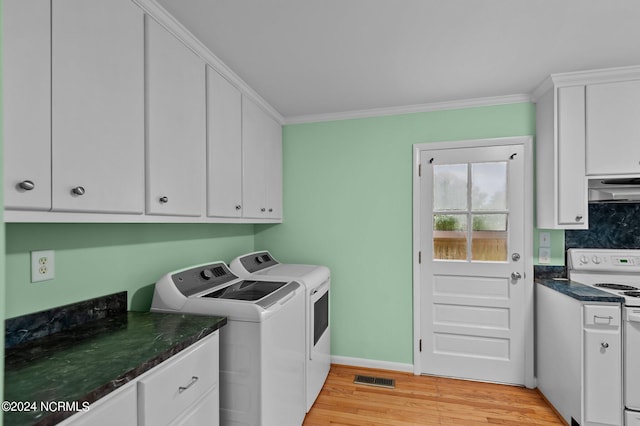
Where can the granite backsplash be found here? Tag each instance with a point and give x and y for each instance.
(611, 226)
(23, 329)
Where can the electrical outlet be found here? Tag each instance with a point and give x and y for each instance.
(544, 255)
(42, 265)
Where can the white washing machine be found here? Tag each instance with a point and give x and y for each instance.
(262, 347)
(317, 281)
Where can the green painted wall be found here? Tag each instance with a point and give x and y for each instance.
(97, 259)
(348, 205)
(2, 241)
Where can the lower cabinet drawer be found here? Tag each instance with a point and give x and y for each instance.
(165, 394)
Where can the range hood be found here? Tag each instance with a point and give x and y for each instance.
(614, 190)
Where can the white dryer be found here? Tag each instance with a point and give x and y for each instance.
(317, 281)
(261, 347)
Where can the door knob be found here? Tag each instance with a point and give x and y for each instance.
(516, 276)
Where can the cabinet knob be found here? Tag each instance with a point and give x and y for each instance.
(604, 345)
(579, 218)
(78, 190)
(516, 276)
(263, 209)
(27, 185)
(270, 210)
(164, 200)
(238, 207)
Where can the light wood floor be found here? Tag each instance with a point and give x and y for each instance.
(423, 400)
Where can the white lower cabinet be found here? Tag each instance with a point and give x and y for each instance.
(579, 358)
(117, 408)
(181, 391)
(182, 388)
(602, 365)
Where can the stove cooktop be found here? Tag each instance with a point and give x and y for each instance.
(615, 286)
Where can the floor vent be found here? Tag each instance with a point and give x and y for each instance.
(375, 381)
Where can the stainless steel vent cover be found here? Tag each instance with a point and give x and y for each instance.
(375, 381)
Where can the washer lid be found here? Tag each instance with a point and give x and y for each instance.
(246, 290)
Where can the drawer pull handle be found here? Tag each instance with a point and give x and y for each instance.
(194, 379)
(607, 318)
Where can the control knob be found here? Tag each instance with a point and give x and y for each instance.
(596, 260)
(206, 274)
(584, 259)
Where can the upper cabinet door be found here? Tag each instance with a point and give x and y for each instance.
(27, 103)
(97, 106)
(176, 125)
(613, 128)
(224, 147)
(262, 163)
(273, 170)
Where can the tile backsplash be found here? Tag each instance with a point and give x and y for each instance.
(611, 226)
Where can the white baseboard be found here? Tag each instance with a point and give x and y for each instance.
(372, 363)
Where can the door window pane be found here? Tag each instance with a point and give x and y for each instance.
(450, 187)
(450, 236)
(489, 237)
(489, 190)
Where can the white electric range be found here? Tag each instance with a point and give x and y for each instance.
(617, 272)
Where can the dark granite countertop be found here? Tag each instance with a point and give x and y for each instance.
(579, 291)
(91, 360)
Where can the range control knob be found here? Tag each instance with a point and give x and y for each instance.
(596, 260)
(584, 259)
(259, 259)
(206, 274)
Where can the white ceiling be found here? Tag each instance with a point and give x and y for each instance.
(313, 57)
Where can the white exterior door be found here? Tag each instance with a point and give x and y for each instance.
(472, 298)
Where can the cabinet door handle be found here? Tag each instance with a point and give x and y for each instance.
(78, 190)
(164, 200)
(604, 345)
(27, 185)
(194, 379)
(270, 210)
(263, 209)
(238, 207)
(578, 218)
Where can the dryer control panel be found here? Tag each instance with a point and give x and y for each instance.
(258, 261)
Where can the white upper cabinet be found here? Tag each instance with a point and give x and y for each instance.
(224, 147)
(97, 106)
(262, 163)
(613, 128)
(114, 112)
(560, 157)
(26, 88)
(176, 125)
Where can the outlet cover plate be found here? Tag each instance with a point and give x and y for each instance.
(544, 255)
(42, 265)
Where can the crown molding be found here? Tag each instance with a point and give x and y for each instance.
(171, 24)
(410, 109)
(603, 75)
